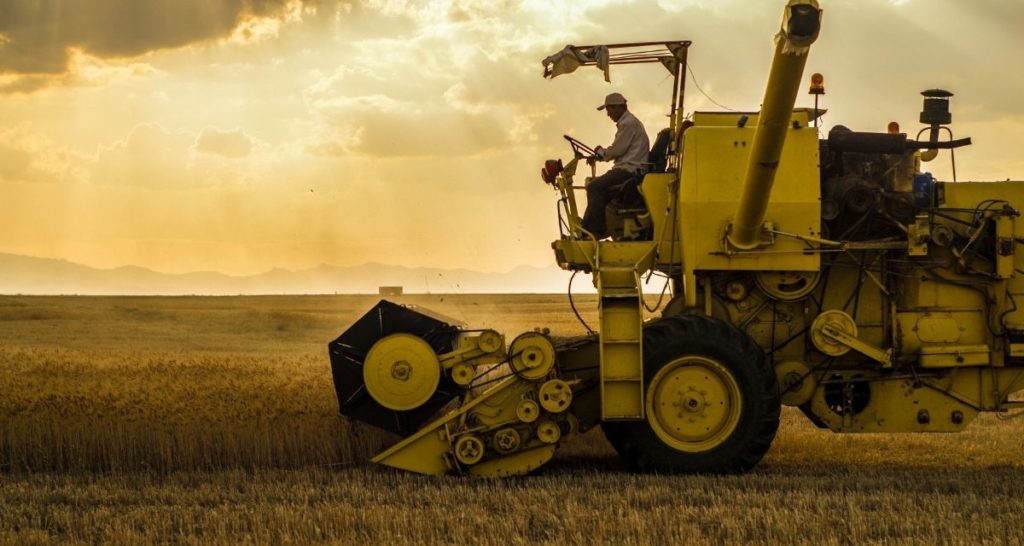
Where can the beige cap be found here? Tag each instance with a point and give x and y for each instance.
(611, 100)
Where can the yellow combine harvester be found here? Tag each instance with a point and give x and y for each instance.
(828, 274)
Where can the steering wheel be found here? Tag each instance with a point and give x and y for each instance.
(579, 149)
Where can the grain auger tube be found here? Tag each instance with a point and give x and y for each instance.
(792, 44)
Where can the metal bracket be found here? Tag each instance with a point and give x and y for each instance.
(883, 356)
(766, 238)
(918, 235)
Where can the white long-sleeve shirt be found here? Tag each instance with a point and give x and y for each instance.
(631, 145)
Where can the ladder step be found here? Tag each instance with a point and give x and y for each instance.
(621, 346)
(625, 278)
(618, 293)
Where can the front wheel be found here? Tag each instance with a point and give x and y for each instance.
(712, 400)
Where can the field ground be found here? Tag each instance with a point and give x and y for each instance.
(213, 420)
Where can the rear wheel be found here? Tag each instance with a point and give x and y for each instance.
(712, 400)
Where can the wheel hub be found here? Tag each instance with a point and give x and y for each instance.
(400, 370)
(693, 403)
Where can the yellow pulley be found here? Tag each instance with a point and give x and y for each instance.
(533, 356)
(463, 373)
(401, 372)
(527, 411)
(490, 341)
(549, 432)
(555, 396)
(469, 450)
(828, 322)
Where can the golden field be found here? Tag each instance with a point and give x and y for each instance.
(213, 420)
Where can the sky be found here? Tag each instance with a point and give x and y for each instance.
(243, 135)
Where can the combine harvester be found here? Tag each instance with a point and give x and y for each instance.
(832, 275)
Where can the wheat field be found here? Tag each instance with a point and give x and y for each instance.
(212, 420)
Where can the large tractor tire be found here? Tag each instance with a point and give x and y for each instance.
(712, 401)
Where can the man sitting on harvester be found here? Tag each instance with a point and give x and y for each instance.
(629, 151)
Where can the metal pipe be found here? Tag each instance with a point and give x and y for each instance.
(800, 28)
(933, 136)
(637, 44)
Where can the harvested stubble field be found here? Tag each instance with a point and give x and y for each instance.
(213, 420)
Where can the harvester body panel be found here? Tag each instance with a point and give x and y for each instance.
(714, 163)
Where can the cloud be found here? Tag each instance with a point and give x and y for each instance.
(231, 144)
(257, 137)
(84, 70)
(260, 28)
(390, 123)
(31, 158)
(24, 84)
(150, 156)
(154, 157)
(463, 81)
(442, 132)
(15, 164)
(39, 36)
(381, 126)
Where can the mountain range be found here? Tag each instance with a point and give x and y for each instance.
(44, 276)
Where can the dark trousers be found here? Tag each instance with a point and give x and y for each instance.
(599, 192)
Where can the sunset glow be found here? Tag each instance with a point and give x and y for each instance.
(239, 136)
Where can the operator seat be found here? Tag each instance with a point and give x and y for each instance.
(658, 158)
(627, 212)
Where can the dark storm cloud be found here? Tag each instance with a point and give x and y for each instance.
(25, 84)
(38, 34)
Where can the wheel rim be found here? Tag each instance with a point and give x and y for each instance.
(693, 404)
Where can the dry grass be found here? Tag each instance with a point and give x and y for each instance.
(166, 384)
(564, 504)
(213, 420)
